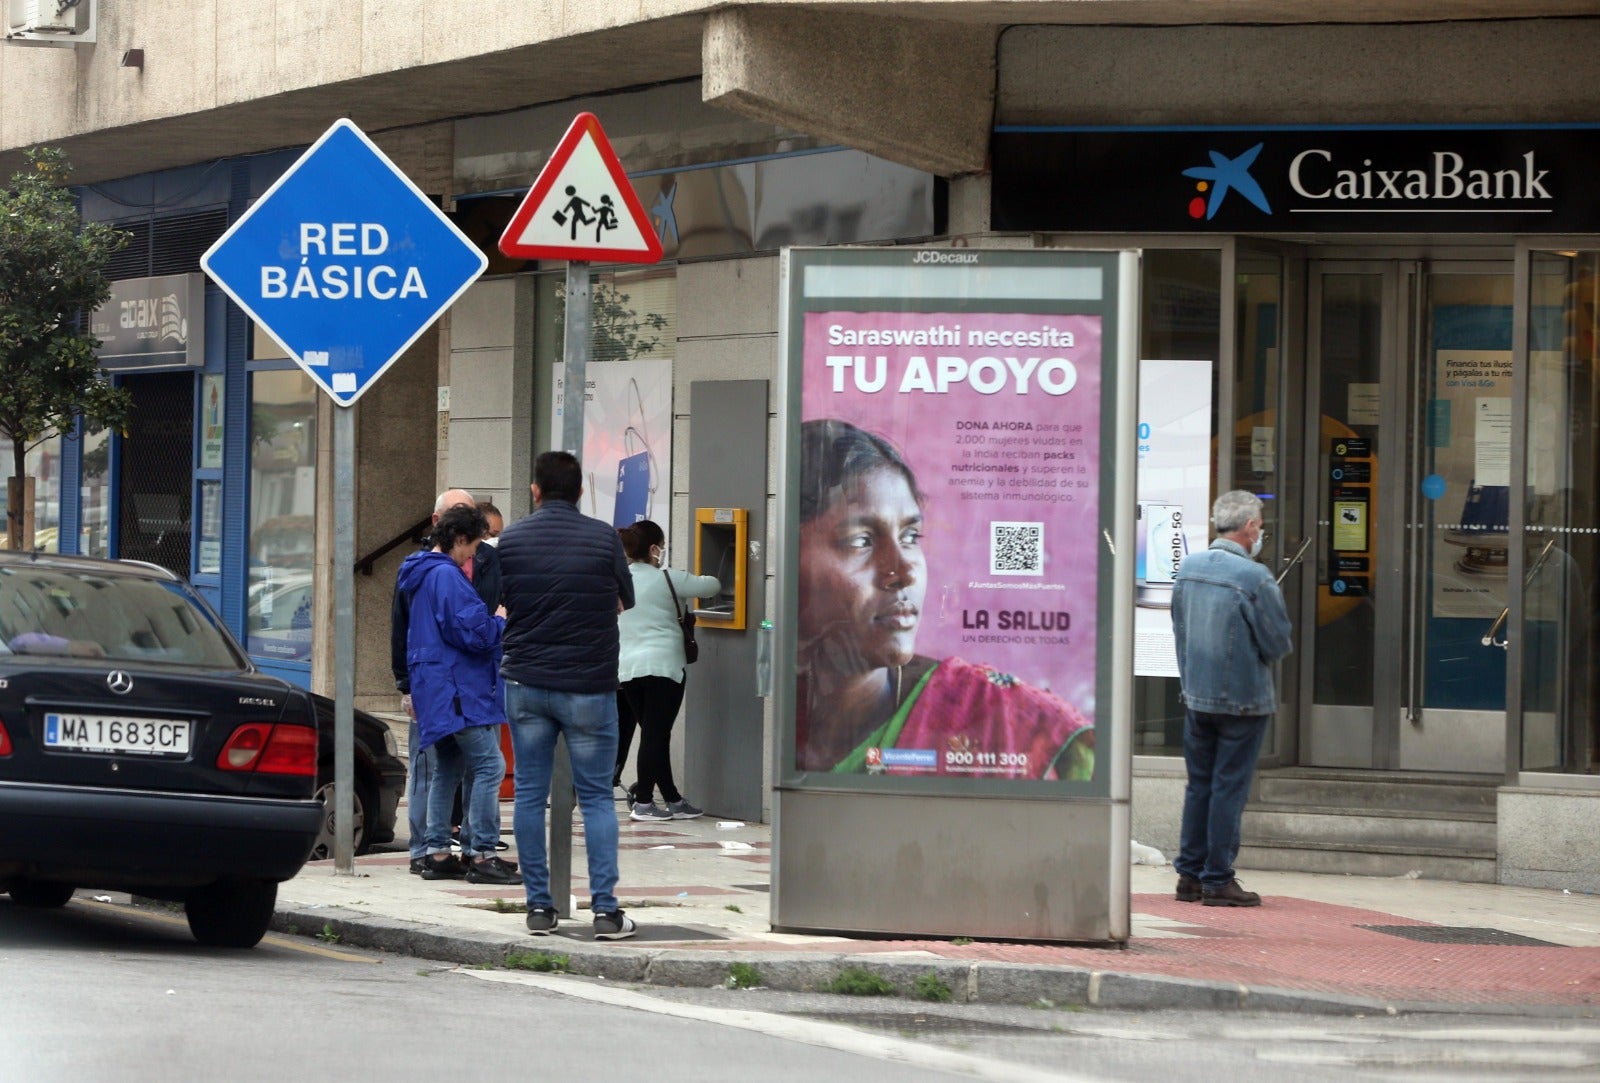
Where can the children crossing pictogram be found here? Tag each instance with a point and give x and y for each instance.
(574, 210)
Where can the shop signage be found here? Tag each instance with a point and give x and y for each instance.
(344, 262)
(152, 323)
(1324, 180)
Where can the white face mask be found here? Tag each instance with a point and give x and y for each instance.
(1255, 546)
(493, 543)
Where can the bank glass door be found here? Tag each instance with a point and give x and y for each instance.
(1409, 408)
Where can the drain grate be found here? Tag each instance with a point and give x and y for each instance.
(1460, 934)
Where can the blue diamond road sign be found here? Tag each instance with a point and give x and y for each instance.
(344, 262)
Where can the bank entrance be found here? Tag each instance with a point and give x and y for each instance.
(1408, 399)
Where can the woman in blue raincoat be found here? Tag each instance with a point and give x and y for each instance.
(453, 661)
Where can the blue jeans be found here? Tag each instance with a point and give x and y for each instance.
(417, 795)
(589, 722)
(473, 753)
(1220, 752)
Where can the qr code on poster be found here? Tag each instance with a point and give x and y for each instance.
(1016, 548)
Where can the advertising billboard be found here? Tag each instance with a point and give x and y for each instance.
(954, 642)
(951, 516)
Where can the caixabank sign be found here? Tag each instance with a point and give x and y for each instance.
(1322, 180)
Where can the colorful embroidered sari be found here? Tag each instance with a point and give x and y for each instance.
(979, 723)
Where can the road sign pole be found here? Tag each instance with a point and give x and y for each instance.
(581, 207)
(575, 353)
(345, 262)
(344, 638)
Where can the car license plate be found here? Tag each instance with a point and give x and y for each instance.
(130, 736)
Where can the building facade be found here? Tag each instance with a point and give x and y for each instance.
(1370, 229)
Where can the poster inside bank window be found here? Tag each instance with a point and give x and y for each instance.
(1173, 517)
(627, 440)
(949, 619)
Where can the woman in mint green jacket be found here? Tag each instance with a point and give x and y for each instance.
(651, 670)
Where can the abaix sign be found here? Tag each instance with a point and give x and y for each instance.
(1323, 180)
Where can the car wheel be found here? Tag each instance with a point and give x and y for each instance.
(231, 913)
(42, 894)
(365, 798)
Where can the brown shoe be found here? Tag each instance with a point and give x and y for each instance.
(1229, 894)
(1189, 889)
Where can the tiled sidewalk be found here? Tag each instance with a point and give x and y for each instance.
(699, 888)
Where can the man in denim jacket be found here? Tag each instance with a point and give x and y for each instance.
(1230, 623)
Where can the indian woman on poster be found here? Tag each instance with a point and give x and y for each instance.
(948, 544)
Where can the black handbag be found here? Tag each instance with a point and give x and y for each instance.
(691, 649)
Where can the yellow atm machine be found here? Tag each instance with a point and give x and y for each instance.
(721, 542)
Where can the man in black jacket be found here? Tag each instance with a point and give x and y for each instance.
(484, 571)
(565, 580)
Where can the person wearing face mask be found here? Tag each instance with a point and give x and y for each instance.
(497, 523)
(1231, 625)
(651, 668)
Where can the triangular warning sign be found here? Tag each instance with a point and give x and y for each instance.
(582, 207)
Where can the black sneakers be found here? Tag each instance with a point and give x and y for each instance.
(1189, 888)
(442, 867)
(492, 870)
(417, 865)
(613, 926)
(1229, 894)
(542, 921)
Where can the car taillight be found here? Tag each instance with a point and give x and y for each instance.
(5, 741)
(270, 749)
(291, 750)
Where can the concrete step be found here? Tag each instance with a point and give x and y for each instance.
(1370, 862)
(1374, 791)
(1360, 829)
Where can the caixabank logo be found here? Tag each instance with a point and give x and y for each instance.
(1319, 179)
(1325, 180)
(1222, 176)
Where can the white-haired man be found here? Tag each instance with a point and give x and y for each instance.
(1231, 625)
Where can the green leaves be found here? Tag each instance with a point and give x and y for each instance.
(618, 332)
(52, 275)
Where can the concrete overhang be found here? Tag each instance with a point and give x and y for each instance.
(911, 81)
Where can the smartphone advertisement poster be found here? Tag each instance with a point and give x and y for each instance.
(627, 440)
(1173, 516)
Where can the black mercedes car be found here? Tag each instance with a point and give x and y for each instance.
(140, 750)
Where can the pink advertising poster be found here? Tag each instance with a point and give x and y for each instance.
(949, 544)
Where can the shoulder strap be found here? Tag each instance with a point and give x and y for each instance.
(676, 606)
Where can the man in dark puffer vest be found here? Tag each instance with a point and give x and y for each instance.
(564, 579)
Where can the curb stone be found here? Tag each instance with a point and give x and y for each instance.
(970, 982)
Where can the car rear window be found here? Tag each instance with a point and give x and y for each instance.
(50, 611)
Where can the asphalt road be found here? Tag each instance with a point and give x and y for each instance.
(101, 991)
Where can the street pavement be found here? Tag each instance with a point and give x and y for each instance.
(699, 890)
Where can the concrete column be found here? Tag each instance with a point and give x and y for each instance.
(913, 91)
(970, 203)
(396, 446)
